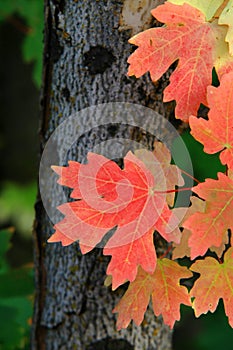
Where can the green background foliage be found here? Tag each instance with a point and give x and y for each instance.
(16, 290)
(17, 197)
(27, 15)
(204, 165)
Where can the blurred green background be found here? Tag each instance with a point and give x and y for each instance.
(21, 33)
(21, 28)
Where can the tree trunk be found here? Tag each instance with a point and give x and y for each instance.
(85, 64)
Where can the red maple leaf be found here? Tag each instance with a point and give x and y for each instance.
(215, 282)
(164, 288)
(186, 37)
(215, 135)
(108, 197)
(125, 259)
(208, 228)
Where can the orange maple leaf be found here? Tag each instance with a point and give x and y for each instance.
(215, 135)
(186, 37)
(209, 227)
(164, 288)
(182, 249)
(108, 197)
(160, 160)
(215, 282)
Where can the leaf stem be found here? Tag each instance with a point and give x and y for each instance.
(175, 191)
(191, 177)
(219, 10)
(166, 252)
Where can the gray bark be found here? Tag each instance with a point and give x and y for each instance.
(85, 64)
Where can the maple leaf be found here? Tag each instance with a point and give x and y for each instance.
(219, 250)
(215, 282)
(213, 135)
(160, 159)
(99, 173)
(68, 176)
(125, 259)
(158, 48)
(182, 249)
(207, 7)
(164, 288)
(108, 197)
(226, 18)
(209, 228)
(223, 60)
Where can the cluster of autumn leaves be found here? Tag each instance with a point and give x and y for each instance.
(137, 199)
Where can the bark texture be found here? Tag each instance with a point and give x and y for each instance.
(85, 64)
